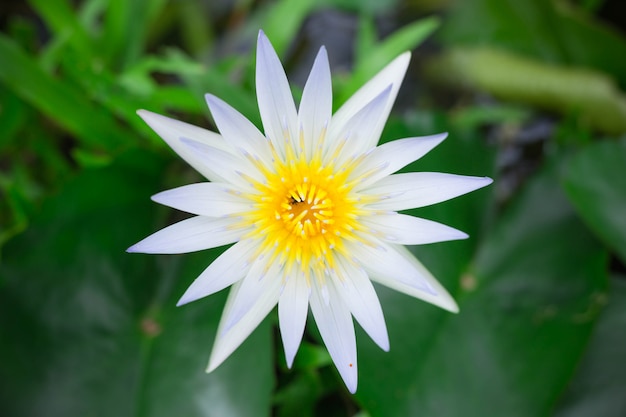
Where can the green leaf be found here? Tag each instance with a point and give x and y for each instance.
(599, 386)
(14, 115)
(551, 31)
(527, 304)
(592, 96)
(62, 102)
(126, 26)
(375, 58)
(369, 7)
(64, 23)
(283, 20)
(596, 185)
(88, 329)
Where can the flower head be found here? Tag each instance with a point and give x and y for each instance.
(311, 207)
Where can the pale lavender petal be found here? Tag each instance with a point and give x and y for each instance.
(263, 277)
(356, 137)
(334, 322)
(239, 131)
(205, 199)
(316, 106)
(392, 75)
(172, 130)
(393, 156)
(293, 306)
(356, 290)
(227, 341)
(395, 267)
(278, 111)
(418, 189)
(233, 169)
(380, 258)
(228, 268)
(408, 230)
(191, 235)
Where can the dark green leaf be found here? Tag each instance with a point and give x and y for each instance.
(126, 26)
(527, 307)
(599, 386)
(596, 185)
(283, 20)
(592, 96)
(63, 22)
(549, 30)
(89, 330)
(379, 55)
(62, 102)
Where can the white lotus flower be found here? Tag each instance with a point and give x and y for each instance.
(310, 207)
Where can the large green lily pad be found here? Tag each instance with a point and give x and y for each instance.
(89, 330)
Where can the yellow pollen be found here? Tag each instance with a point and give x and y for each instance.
(304, 211)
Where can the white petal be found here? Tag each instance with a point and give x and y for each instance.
(317, 101)
(409, 230)
(356, 290)
(418, 189)
(228, 268)
(261, 278)
(356, 137)
(172, 130)
(393, 156)
(239, 131)
(395, 267)
(293, 306)
(190, 235)
(227, 341)
(383, 259)
(206, 199)
(337, 330)
(392, 74)
(233, 169)
(278, 111)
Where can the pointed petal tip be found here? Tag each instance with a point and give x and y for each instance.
(458, 235)
(403, 60)
(158, 197)
(352, 385)
(262, 40)
(290, 353)
(450, 305)
(214, 362)
(213, 100)
(384, 345)
(150, 116)
(190, 295)
(481, 182)
(210, 367)
(138, 247)
(183, 300)
(437, 138)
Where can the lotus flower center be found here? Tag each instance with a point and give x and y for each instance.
(307, 211)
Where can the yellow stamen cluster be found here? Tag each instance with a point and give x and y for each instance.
(304, 211)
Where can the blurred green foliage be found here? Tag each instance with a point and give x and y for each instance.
(531, 93)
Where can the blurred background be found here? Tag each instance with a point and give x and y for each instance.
(532, 93)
